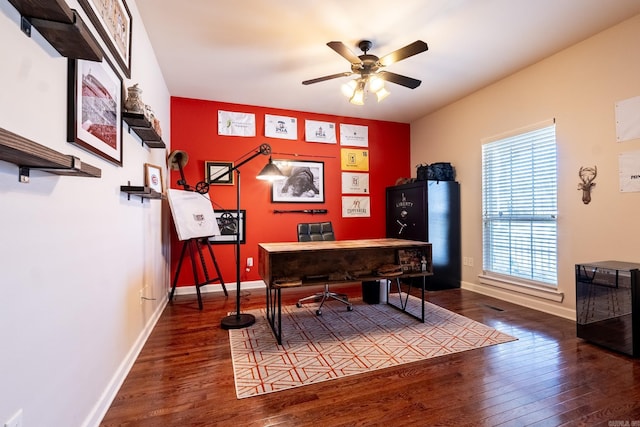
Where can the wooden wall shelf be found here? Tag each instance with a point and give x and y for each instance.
(31, 155)
(142, 191)
(139, 125)
(60, 26)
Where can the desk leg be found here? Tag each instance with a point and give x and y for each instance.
(404, 299)
(424, 285)
(274, 302)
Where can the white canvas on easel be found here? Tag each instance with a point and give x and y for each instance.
(193, 214)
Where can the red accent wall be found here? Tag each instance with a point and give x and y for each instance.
(194, 130)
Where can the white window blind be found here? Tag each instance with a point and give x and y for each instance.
(519, 198)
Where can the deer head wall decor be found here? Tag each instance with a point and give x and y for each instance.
(587, 175)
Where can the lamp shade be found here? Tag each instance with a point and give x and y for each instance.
(270, 172)
(382, 94)
(376, 83)
(349, 88)
(177, 159)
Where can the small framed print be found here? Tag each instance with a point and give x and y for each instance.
(228, 225)
(153, 177)
(219, 173)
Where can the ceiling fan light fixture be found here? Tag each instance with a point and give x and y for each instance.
(358, 94)
(376, 84)
(349, 88)
(357, 98)
(368, 66)
(382, 94)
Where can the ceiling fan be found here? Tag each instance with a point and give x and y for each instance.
(370, 69)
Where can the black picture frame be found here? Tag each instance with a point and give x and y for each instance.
(304, 182)
(94, 108)
(113, 23)
(227, 224)
(218, 173)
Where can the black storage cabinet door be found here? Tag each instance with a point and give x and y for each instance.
(429, 211)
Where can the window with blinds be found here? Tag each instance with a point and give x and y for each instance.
(519, 204)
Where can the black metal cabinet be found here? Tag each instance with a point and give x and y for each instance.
(429, 211)
(608, 304)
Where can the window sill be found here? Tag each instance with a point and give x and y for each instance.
(543, 292)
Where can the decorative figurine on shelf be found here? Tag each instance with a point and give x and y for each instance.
(148, 113)
(587, 175)
(151, 116)
(133, 103)
(156, 126)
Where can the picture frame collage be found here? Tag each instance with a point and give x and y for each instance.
(304, 181)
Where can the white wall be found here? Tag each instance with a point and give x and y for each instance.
(74, 252)
(578, 87)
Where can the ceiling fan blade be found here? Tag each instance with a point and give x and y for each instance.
(403, 53)
(344, 52)
(322, 79)
(399, 79)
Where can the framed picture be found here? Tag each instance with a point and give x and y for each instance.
(112, 20)
(228, 225)
(304, 182)
(94, 108)
(413, 260)
(153, 177)
(219, 173)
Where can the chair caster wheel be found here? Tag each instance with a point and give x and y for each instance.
(299, 305)
(349, 308)
(319, 312)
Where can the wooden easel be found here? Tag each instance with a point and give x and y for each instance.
(177, 160)
(195, 245)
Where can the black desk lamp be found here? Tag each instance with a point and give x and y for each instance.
(270, 173)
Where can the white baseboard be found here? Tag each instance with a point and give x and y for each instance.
(521, 299)
(109, 394)
(217, 287)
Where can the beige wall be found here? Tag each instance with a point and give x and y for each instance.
(578, 87)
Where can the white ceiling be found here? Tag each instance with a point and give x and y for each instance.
(257, 52)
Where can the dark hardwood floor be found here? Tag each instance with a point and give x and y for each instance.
(548, 377)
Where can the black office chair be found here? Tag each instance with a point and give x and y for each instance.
(319, 231)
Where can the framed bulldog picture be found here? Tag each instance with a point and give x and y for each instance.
(304, 182)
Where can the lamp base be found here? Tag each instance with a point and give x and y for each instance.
(237, 321)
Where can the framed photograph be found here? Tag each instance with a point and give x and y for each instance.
(304, 182)
(228, 224)
(112, 20)
(94, 108)
(153, 177)
(218, 173)
(413, 260)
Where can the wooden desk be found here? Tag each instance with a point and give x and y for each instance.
(293, 264)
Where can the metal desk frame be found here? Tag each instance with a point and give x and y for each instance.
(274, 291)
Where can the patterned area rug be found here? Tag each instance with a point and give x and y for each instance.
(341, 343)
